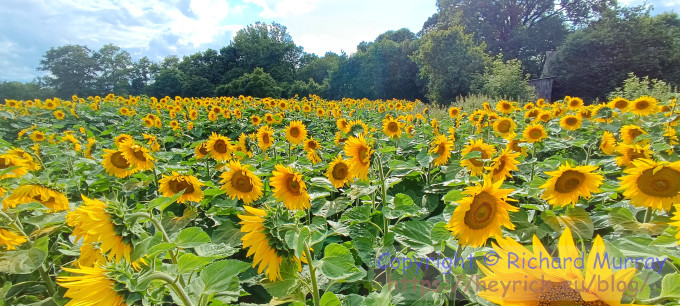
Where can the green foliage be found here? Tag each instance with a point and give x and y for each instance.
(594, 61)
(256, 84)
(449, 61)
(505, 80)
(634, 87)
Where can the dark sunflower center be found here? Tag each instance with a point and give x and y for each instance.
(571, 121)
(118, 161)
(664, 183)
(441, 149)
(500, 167)
(241, 182)
(177, 185)
(340, 171)
(393, 127)
(265, 138)
(295, 132)
(569, 181)
(642, 105)
(363, 154)
(573, 103)
(220, 146)
(203, 150)
(482, 211)
(506, 106)
(634, 133)
(293, 185)
(634, 154)
(561, 294)
(312, 145)
(533, 113)
(139, 154)
(621, 104)
(6, 163)
(475, 161)
(504, 126)
(535, 133)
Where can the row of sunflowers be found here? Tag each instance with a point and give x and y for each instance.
(136, 200)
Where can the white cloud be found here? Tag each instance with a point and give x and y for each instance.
(284, 8)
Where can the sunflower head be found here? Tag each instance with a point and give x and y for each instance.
(219, 147)
(441, 146)
(644, 106)
(10, 239)
(18, 166)
(391, 127)
(505, 127)
(296, 132)
(571, 122)
(201, 150)
(619, 103)
(290, 188)
(608, 143)
(136, 155)
(176, 183)
(50, 198)
(567, 184)
(240, 182)
(481, 214)
(629, 153)
(630, 132)
(338, 172)
(475, 165)
(102, 283)
(652, 184)
(360, 156)
(534, 133)
(265, 137)
(503, 164)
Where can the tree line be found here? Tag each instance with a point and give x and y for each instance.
(489, 47)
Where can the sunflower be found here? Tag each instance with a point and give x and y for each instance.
(37, 136)
(630, 132)
(441, 146)
(360, 156)
(89, 255)
(619, 103)
(173, 184)
(255, 120)
(116, 164)
(296, 132)
(120, 139)
(93, 222)
(52, 199)
(644, 106)
(502, 165)
(357, 127)
(30, 163)
(201, 150)
(629, 153)
(575, 103)
(608, 143)
(10, 160)
(59, 115)
(338, 172)
(11, 240)
(311, 145)
(313, 157)
(571, 122)
(567, 184)
(289, 188)
(475, 165)
(342, 124)
(219, 147)
(454, 112)
(505, 107)
(391, 128)
(136, 155)
(546, 284)
(265, 137)
(262, 241)
(240, 182)
(505, 127)
(93, 287)
(534, 133)
(481, 214)
(652, 184)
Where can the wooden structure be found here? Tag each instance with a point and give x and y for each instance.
(543, 87)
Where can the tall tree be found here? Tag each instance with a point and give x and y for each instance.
(115, 66)
(449, 61)
(522, 29)
(621, 42)
(71, 70)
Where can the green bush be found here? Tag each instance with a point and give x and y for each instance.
(634, 87)
(506, 80)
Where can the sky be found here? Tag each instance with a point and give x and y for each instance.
(159, 28)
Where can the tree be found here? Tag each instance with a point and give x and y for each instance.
(168, 83)
(506, 80)
(449, 61)
(318, 68)
(115, 67)
(266, 46)
(140, 76)
(522, 29)
(72, 70)
(257, 84)
(621, 42)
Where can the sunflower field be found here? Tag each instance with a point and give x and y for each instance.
(236, 200)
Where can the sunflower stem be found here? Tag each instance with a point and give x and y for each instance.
(648, 214)
(48, 281)
(533, 163)
(166, 238)
(155, 175)
(312, 275)
(43, 273)
(173, 285)
(207, 168)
